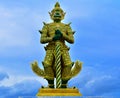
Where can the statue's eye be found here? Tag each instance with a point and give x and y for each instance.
(57, 10)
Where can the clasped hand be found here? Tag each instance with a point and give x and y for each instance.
(58, 35)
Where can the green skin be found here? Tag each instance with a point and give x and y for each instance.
(50, 34)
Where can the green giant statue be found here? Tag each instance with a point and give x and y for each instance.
(57, 62)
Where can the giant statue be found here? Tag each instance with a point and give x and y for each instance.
(57, 62)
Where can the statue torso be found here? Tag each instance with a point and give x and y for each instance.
(51, 27)
(56, 26)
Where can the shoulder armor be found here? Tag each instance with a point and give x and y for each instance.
(68, 24)
(73, 32)
(44, 23)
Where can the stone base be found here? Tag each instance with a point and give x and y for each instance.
(58, 92)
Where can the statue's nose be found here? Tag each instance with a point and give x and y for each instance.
(58, 14)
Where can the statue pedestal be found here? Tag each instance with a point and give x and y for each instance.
(58, 92)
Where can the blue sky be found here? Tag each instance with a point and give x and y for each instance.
(97, 38)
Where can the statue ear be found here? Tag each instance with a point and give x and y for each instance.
(64, 13)
(44, 23)
(73, 32)
(50, 13)
(40, 31)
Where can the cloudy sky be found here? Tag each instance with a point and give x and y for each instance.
(97, 45)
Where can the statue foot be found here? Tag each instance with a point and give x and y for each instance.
(64, 83)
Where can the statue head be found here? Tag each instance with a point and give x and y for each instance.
(57, 14)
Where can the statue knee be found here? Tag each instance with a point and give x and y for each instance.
(49, 73)
(66, 71)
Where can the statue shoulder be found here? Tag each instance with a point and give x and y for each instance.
(65, 24)
(45, 24)
(68, 27)
(44, 28)
(68, 24)
(49, 24)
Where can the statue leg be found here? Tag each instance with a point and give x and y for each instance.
(48, 68)
(66, 68)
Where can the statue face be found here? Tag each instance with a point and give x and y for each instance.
(57, 15)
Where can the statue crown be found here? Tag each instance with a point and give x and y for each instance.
(57, 9)
(57, 4)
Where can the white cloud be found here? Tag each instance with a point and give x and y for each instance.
(13, 79)
(92, 81)
(3, 76)
(24, 88)
(16, 85)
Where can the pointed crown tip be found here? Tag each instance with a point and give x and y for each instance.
(57, 4)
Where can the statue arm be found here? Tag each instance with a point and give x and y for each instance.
(68, 36)
(44, 36)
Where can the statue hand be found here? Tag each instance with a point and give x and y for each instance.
(58, 32)
(58, 35)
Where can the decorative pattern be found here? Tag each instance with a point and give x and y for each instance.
(58, 65)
